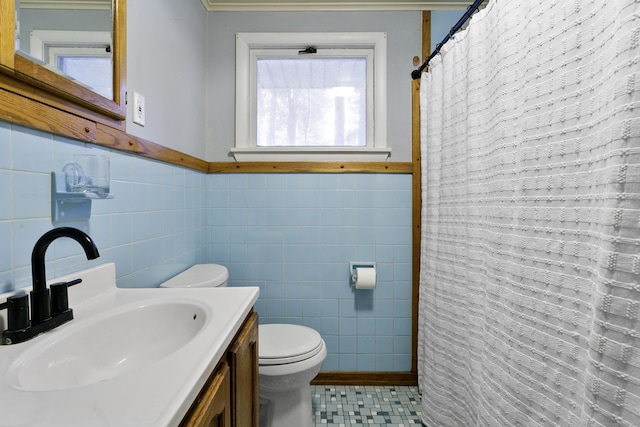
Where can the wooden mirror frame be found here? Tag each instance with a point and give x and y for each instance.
(32, 80)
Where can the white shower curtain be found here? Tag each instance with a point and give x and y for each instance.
(530, 284)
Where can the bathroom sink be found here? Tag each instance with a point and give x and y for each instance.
(130, 357)
(108, 346)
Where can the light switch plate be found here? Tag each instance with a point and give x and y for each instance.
(138, 109)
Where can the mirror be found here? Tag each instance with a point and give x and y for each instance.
(71, 37)
(73, 51)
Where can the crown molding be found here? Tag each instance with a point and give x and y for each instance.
(329, 5)
(66, 4)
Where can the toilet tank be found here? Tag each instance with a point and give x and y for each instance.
(199, 276)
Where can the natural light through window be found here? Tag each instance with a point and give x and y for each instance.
(95, 72)
(311, 102)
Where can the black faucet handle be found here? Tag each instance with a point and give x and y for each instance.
(17, 311)
(60, 296)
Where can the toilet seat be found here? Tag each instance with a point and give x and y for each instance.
(282, 344)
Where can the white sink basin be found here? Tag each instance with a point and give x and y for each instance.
(107, 346)
(130, 357)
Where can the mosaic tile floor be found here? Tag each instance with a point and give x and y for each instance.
(371, 406)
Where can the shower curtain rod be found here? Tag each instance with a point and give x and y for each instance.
(415, 74)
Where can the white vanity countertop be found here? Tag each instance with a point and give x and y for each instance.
(156, 394)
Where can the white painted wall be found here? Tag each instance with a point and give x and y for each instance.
(166, 51)
(441, 23)
(404, 38)
(182, 59)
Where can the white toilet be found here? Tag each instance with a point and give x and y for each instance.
(290, 357)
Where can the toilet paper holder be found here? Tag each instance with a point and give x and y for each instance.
(358, 264)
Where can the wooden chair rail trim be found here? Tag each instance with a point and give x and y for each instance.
(122, 141)
(319, 167)
(26, 112)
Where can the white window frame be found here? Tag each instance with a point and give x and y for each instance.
(250, 45)
(48, 45)
(43, 41)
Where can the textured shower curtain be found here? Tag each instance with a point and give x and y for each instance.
(530, 284)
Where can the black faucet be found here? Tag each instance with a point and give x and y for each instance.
(40, 295)
(46, 312)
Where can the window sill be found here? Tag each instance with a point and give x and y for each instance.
(310, 154)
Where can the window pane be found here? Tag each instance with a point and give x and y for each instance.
(312, 102)
(94, 72)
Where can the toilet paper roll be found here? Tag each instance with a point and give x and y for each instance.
(365, 278)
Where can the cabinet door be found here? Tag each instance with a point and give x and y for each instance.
(243, 358)
(213, 406)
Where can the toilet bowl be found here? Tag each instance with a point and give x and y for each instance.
(290, 356)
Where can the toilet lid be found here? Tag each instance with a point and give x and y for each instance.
(282, 343)
(199, 275)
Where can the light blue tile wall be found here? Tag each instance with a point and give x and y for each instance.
(155, 227)
(293, 235)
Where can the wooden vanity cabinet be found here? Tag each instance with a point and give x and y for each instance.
(230, 396)
(243, 359)
(212, 407)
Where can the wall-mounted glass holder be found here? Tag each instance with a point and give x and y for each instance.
(71, 206)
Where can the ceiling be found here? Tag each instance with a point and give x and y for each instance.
(319, 5)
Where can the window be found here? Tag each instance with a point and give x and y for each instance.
(311, 102)
(306, 96)
(84, 56)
